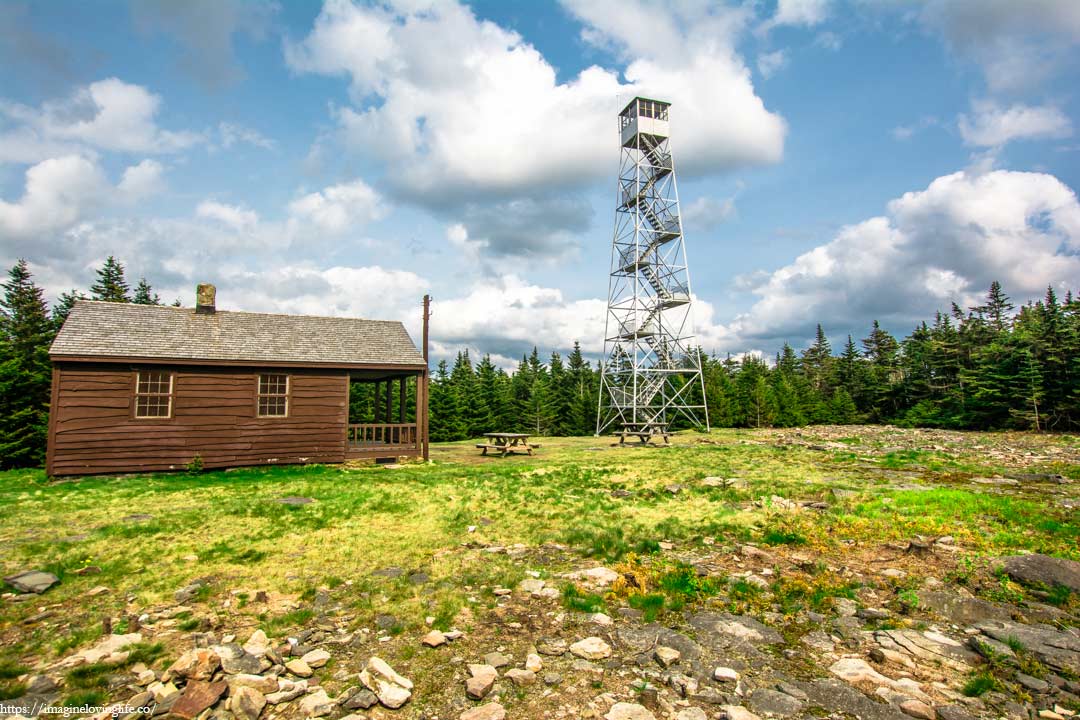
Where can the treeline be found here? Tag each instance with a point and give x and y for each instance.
(27, 329)
(986, 367)
(983, 368)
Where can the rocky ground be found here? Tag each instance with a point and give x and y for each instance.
(721, 627)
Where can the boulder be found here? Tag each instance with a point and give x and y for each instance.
(629, 711)
(317, 704)
(316, 658)
(235, 660)
(362, 700)
(1043, 570)
(481, 681)
(392, 689)
(591, 648)
(434, 639)
(287, 691)
(521, 678)
(666, 656)
(738, 712)
(491, 711)
(246, 703)
(200, 664)
(32, 581)
(497, 660)
(265, 685)
(258, 644)
(533, 662)
(299, 668)
(197, 696)
(918, 709)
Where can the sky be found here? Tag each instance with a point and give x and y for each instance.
(837, 161)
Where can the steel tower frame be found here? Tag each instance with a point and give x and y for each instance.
(649, 325)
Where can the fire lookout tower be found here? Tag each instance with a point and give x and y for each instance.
(651, 369)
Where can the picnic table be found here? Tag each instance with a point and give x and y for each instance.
(646, 432)
(506, 443)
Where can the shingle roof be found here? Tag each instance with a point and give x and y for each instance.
(123, 330)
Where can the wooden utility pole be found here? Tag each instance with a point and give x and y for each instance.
(424, 378)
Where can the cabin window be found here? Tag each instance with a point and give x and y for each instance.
(153, 394)
(273, 395)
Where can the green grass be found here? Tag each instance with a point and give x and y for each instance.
(10, 669)
(11, 690)
(580, 601)
(980, 684)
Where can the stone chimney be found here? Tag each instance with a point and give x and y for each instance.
(205, 298)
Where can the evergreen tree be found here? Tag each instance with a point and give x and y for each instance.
(62, 308)
(145, 295)
(463, 387)
(111, 285)
(446, 422)
(881, 350)
(25, 371)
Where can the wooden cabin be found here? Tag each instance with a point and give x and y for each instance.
(140, 388)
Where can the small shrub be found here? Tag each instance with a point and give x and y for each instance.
(196, 465)
(85, 698)
(980, 684)
(575, 599)
(10, 690)
(10, 669)
(782, 536)
(650, 605)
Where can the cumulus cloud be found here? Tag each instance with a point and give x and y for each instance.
(338, 208)
(1017, 44)
(234, 134)
(805, 13)
(991, 125)
(769, 63)
(142, 180)
(58, 192)
(706, 213)
(462, 106)
(942, 244)
(233, 216)
(109, 115)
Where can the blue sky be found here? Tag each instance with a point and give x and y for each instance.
(837, 161)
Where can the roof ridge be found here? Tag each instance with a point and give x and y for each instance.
(234, 312)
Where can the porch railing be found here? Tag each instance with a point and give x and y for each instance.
(382, 435)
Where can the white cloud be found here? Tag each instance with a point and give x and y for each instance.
(706, 213)
(829, 40)
(58, 192)
(991, 125)
(1017, 44)
(943, 244)
(142, 180)
(461, 107)
(233, 134)
(234, 216)
(769, 63)
(107, 115)
(338, 208)
(805, 13)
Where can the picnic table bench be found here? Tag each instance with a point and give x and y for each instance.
(507, 443)
(644, 431)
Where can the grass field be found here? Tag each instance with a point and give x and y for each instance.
(144, 537)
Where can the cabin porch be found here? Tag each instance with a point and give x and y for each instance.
(386, 415)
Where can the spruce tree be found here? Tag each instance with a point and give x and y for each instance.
(111, 285)
(62, 308)
(25, 370)
(145, 295)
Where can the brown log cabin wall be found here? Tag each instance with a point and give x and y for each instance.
(93, 427)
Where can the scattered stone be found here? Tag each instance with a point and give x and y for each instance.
(531, 585)
(953, 712)
(246, 703)
(533, 663)
(491, 711)
(197, 696)
(287, 691)
(725, 674)
(299, 668)
(419, 578)
(673, 488)
(163, 693)
(391, 572)
(362, 700)
(258, 644)
(317, 704)
(1050, 715)
(32, 581)
(1043, 570)
(591, 648)
(552, 646)
(294, 500)
(552, 678)
(918, 709)
(434, 639)
(265, 685)
(600, 619)
(497, 660)
(521, 678)
(198, 664)
(737, 712)
(481, 681)
(666, 657)
(845, 607)
(392, 689)
(99, 590)
(773, 702)
(629, 711)
(234, 660)
(691, 713)
(1032, 683)
(599, 576)
(316, 658)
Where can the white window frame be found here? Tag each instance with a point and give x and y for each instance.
(259, 395)
(169, 395)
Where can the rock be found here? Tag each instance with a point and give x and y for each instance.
(299, 668)
(600, 619)
(551, 646)
(265, 685)
(1032, 683)
(316, 658)
(234, 660)
(858, 672)
(665, 656)
(392, 689)
(287, 691)
(246, 703)
(552, 678)
(491, 711)
(691, 713)
(497, 660)
(433, 639)
(32, 581)
(163, 693)
(294, 500)
(953, 712)
(733, 628)
(795, 692)
(629, 711)
(1043, 570)
(599, 576)
(591, 648)
(840, 698)
(918, 709)
(481, 681)
(737, 712)
(198, 664)
(773, 702)
(893, 573)
(531, 585)
(845, 607)
(960, 609)
(725, 674)
(317, 704)
(1050, 715)
(673, 488)
(521, 678)
(197, 696)
(533, 663)
(361, 701)
(1059, 649)
(258, 644)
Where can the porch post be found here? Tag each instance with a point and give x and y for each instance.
(375, 415)
(401, 401)
(423, 380)
(389, 402)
